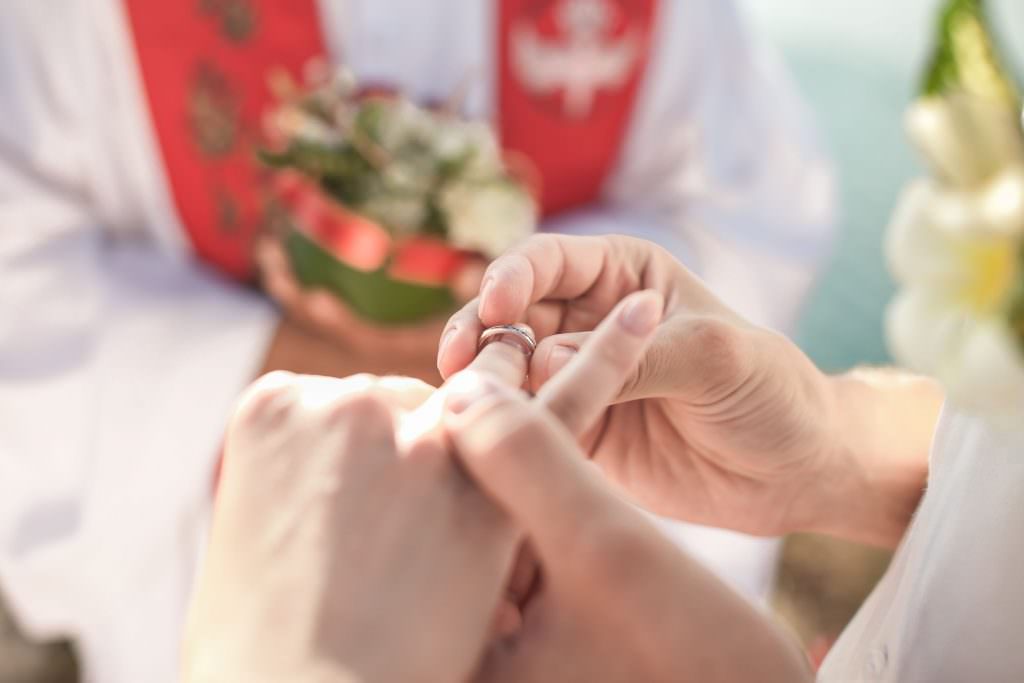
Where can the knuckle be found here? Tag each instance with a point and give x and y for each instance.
(365, 407)
(542, 242)
(268, 399)
(717, 342)
(613, 351)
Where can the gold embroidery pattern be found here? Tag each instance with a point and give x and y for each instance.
(214, 111)
(237, 18)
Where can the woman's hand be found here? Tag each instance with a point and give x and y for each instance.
(340, 552)
(373, 346)
(723, 423)
(616, 600)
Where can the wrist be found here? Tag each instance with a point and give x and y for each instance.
(876, 455)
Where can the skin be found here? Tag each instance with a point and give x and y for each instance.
(346, 557)
(498, 535)
(616, 600)
(721, 422)
(613, 599)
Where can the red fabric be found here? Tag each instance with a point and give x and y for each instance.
(205, 65)
(573, 152)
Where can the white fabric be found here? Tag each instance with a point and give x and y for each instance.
(120, 357)
(951, 606)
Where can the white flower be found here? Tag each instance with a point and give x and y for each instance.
(488, 217)
(455, 138)
(957, 251)
(402, 122)
(294, 123)
(402, 215)
(965, 139)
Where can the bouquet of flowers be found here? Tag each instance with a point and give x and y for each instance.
(956, 243)
(381, 202)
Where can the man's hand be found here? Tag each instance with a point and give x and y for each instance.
(722, 423)
(340, 552)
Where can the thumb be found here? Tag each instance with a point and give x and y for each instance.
(526, 461)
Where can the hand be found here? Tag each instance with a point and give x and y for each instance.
(325, 314)
(722, 423)
(339, 553)
(616, 601)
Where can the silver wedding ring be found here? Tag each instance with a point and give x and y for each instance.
(518, 335)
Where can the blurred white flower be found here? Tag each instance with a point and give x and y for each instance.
(957, 252)
(402, 123)
(296, 124)
(474, 140)
(402, 215)
(488, 217)
(965, 139)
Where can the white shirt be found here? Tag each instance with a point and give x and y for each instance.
(950, 609)
(120, 357)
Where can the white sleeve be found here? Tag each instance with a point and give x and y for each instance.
(118, 368)
(722, 166)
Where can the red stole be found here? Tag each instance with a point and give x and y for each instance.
(205, 65)
(568, 75)
(569, 72)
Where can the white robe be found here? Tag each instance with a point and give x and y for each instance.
(120, 356)
(950, 609)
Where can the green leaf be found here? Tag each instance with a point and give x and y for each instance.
(967, 57)
(373, 295)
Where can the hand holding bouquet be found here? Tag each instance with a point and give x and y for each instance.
(382, 203)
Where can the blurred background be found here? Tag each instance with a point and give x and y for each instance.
(858, 64)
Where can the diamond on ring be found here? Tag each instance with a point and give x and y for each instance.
(519, 335)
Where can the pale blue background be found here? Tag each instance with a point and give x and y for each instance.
(858, 63)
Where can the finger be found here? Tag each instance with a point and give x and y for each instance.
(282, 287)
(543, 267)
(554, 353)
(502, 360)
(531, 466)
(271, 256)
(458, 344)
(523, 580)
(297, 414)
(459, 340)
(406, 393)
(593, 378)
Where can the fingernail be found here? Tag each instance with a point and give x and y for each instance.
(464, 390)
(443, 345)
(642, 314)
(559, 358)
